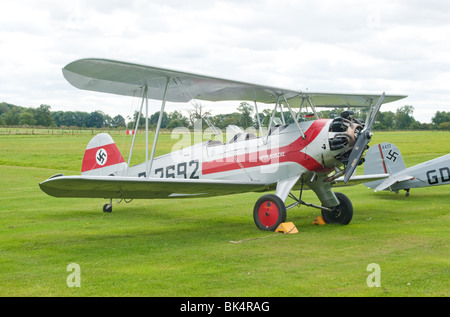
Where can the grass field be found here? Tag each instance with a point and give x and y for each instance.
(182, 247)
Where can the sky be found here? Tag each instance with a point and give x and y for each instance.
(396, 46)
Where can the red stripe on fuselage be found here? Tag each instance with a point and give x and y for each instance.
(288, 153)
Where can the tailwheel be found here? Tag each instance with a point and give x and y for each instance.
(269, 212)
(342, 213)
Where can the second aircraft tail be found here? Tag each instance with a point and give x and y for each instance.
(383, 158)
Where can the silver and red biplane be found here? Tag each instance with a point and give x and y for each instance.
(313, 154)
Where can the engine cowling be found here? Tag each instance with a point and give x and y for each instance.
(343, 133)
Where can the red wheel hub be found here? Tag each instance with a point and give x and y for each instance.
(268, 214)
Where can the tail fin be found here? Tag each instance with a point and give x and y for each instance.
(102, 157)
(383, 158)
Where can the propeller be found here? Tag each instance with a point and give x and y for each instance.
(361, 142)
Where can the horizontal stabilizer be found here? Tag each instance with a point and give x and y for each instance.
(392, 181)
(359, 179)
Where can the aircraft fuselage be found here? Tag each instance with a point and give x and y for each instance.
(249, 157)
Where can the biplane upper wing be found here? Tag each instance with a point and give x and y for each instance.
(136, 187)
(128, 79)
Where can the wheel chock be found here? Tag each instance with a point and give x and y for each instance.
(319, 221)
(287, 228)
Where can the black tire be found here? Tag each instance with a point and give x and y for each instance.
(269, 212)
(341, 214)
(107, 208)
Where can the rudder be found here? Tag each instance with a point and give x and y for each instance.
(102, 157)
(383, 158)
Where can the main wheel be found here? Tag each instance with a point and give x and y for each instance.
(269, 212)
(107, 208)
(342, 213)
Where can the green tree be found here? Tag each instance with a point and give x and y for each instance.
(330, 114)
(132, 124)
(153, 120)
(264, 116)
(58, 117)
(107, 120)
(176, 119)
(404, 118)
(43, 116)
(246, 119)
(231, 119)
(5, 107)
(384, 121)
(218, 120)
(118, 121)
(27, 118)
(444, 126)
(11, 117)
(94, 120)
(79, 118)
(440, 118)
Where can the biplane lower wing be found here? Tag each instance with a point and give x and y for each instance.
(143, 188)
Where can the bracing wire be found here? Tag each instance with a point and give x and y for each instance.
(133, 108)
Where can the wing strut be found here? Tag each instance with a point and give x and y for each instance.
(300, 109)
(271, 119)
(259, 121)
(313, 108)
(146, 131)
(144, 95)
(281, 112)
(155, 140)
(293, 116)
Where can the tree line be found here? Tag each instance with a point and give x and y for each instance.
(244, 116)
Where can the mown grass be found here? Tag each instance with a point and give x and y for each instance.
(182, 247)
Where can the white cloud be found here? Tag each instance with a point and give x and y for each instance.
(341, 46)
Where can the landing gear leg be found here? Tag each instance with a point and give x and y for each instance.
(341, 214)
(108, 207)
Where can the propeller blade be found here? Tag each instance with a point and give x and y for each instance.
(361, 142)
(375, 111)
(357, 152)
